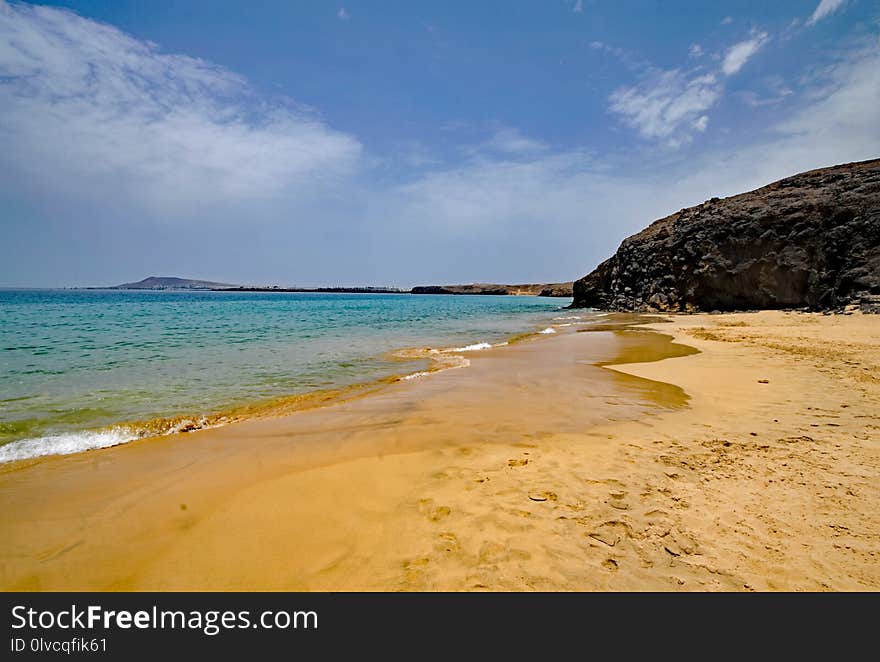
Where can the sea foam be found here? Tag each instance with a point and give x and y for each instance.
(446, 363)
(65, 444)
(476, 347)
(415, 375)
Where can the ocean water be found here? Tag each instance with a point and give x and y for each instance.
(84, 369)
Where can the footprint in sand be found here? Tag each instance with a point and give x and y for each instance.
(610, 565)
(618, 500)
(414, 571)
(493, 552)
(439, 513)
(682, 542)
(447, 542)
(610, 533)
(656, 515)
(432, 512)
(518, 463)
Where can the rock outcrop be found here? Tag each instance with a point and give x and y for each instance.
(529, 289)
(807, 241)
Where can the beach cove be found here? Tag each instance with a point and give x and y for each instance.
(606, 460)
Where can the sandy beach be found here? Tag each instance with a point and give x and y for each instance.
(699, 452)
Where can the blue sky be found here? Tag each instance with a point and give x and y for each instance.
(398, 143)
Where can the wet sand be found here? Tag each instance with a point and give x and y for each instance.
(545, 465)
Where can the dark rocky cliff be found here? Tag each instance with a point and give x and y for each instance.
(811, 240)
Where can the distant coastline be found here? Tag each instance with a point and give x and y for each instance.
(173, 283)
(322, 290)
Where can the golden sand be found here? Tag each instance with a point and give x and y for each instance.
(545, 465)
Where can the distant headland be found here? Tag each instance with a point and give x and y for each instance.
(171, 283)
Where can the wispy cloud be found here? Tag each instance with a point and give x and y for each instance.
(578, 7)
(667, 104)
(342, 14)
(90, 111)
(672, 104)
(825, 8)
(740, 53)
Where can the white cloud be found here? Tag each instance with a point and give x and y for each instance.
(671, 104)
(825, 8)
(578, 7)
(727, 20)
(342, 14)
(91, 111)
(667, 103)
(739, 54)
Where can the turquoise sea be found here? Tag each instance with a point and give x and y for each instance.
(84, 369)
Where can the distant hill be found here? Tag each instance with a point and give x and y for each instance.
(529, 289)
(170, 283)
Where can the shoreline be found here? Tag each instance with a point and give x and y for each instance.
(436, 486)
(124, 432)
(247, 453)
